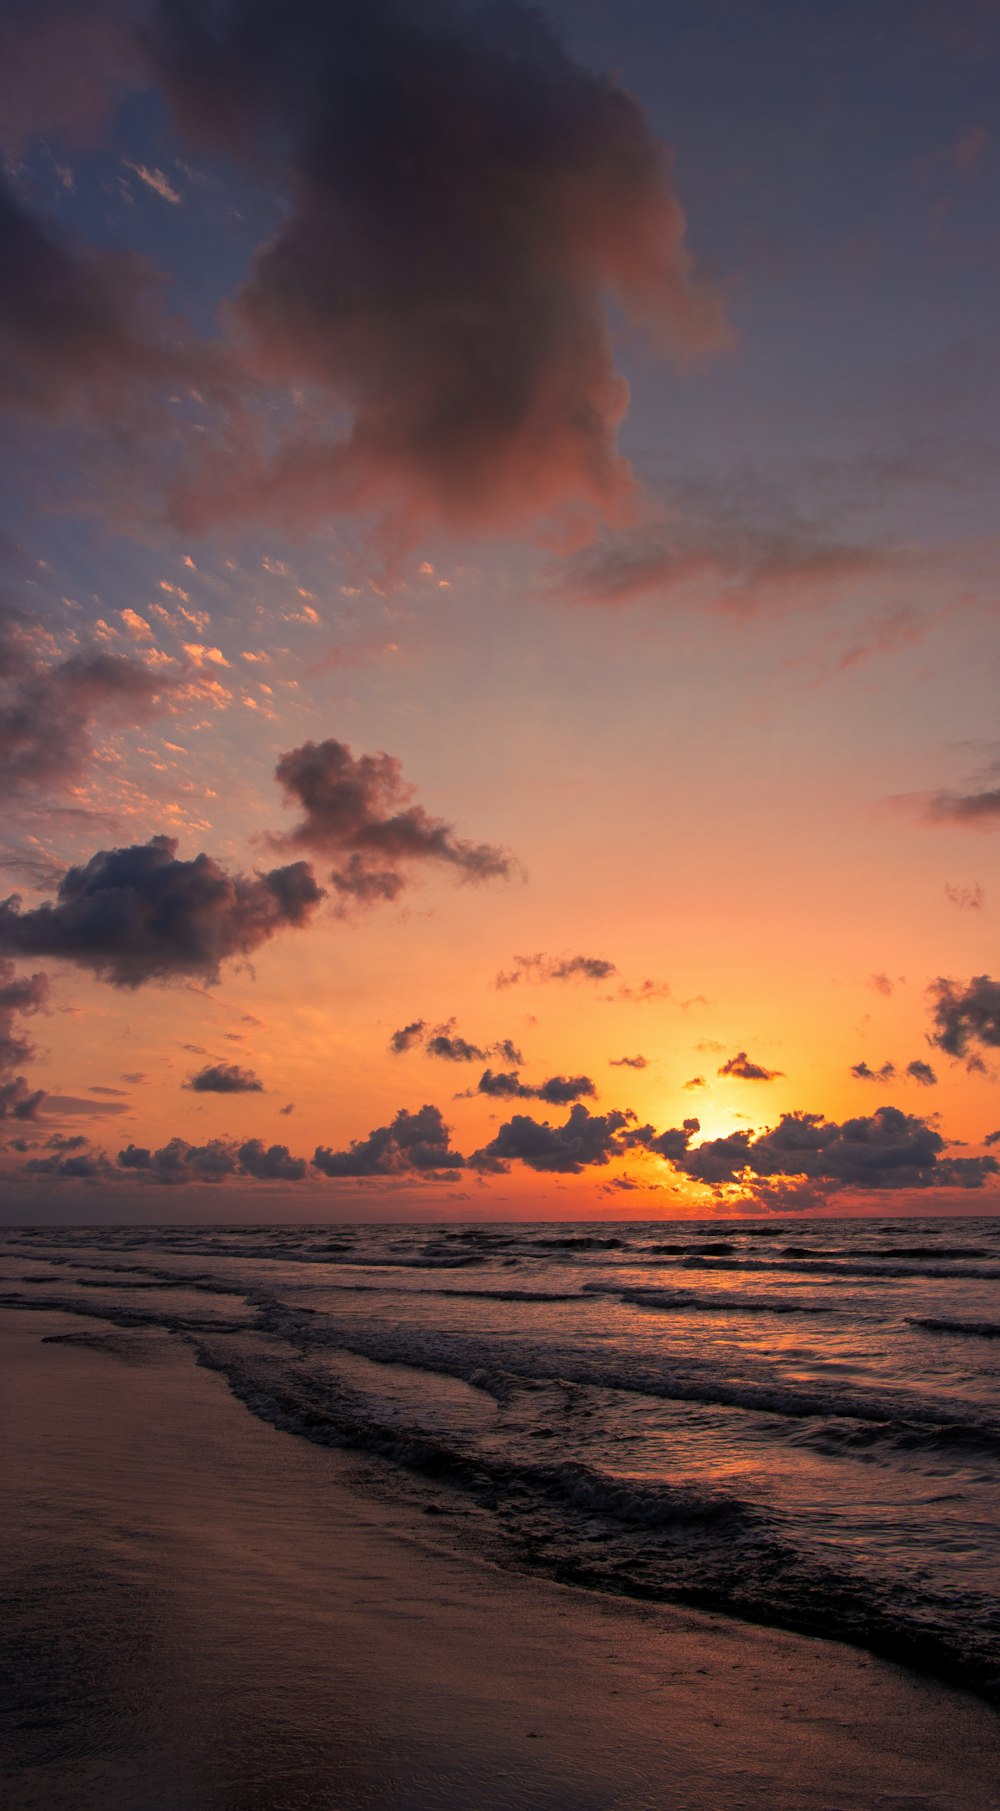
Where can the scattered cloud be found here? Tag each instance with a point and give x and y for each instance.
(863, 1073)
(556, 968)
(970, 898)
(558, 1091)
(741, 1066)
(224, 1078)
(629, 1062)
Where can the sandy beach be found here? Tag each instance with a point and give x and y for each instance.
(204, 1616)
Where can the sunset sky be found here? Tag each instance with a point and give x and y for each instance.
(498, 616)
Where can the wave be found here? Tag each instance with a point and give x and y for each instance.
(972, 1329)
(636, 1537)
(720, 1303)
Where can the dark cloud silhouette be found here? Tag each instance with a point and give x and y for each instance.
(359, 810)
(20, 996)
(414, 1144)
(138, 914)
(991, 1138)
(862, 1072)
(273, 1164)
(741, 1066)
(407, 1036)
(557, 968)
(48, 707)
(81, 1166)
(966, 1016)
(220, 1160)
(443, 1041)
(224, 1078)
(558, 1091)
(886, 1150)
(921, 1072)
(697, 1081)
(977, 808)
(629, 1062)
(586, 1139)
(464, 200)
(454, 1049)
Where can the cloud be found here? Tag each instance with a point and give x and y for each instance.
(981, 809)
(20, 996)
(558, 1091)
(970, 898)
(82, 1166)
(464, 201)
(407, 1036)
(273, 1164)
(61, 64)
(886, 1150)
(138, 914)
(556, 968)
(224, 1078)
(862, 1073)
(741, 567)
(586, 1139)
(80, 332)
(881, 984)
(414, 1144)
(697, 1081)
(921, 1072)
(741, 1066)
(965, 1015)
(629, 1062)
(454, 1049)
(359, 810)
(48, 708)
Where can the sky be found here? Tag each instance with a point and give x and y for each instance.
(498, 654)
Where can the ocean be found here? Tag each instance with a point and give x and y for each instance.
(797, 1424)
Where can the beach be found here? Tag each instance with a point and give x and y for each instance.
(205, 1615)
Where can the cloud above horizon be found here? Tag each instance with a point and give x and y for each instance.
(360, 810)
(137, 914)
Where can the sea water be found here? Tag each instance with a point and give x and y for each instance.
(795, 1423)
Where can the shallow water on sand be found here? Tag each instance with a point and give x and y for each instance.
(798, 1424)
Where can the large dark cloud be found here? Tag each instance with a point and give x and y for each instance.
(79, 327)
(887, 1149)
(48, 707)
(19, 995)
(464, 200)
(585, 1139)
(359, 810)
(556, 968)
(62, 62)
(414, 1144)
(273, 1163)
(558, 1091)
(741, 1066)
(965, 1016)
(224, 1078)
(138, 914)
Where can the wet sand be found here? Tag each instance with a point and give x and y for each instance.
(201, 1614)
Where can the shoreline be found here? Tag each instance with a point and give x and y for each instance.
(253, 1633)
